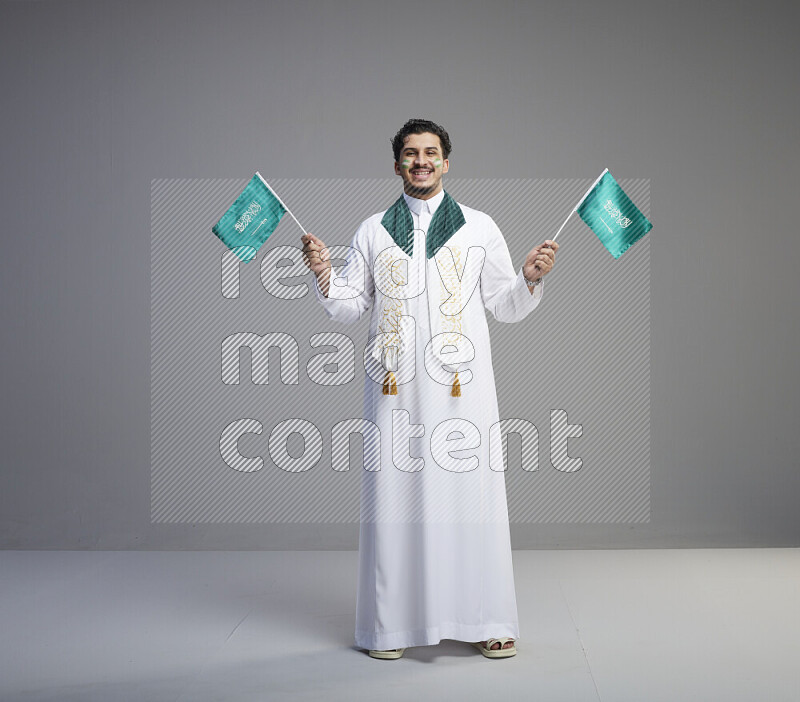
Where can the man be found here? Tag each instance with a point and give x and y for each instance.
(434, 546)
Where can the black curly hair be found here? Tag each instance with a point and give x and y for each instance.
(420, 126)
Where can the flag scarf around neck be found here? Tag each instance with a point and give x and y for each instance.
(448, 274)
(612, 216)
(250, 220)
(447, 220)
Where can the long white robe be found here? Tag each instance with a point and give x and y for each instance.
(434, 549)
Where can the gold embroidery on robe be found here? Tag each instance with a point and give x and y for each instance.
(390, 321)
(451, 300)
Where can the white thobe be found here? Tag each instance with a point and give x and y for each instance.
(434, 544)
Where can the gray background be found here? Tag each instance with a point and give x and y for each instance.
(101, 98)
(597, 345)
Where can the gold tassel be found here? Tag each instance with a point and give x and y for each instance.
(389, 384)
(456, 391)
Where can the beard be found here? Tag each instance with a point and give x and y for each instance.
(417, 190)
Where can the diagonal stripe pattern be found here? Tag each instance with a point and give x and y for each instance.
(240, 361)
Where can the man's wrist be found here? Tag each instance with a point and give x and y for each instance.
(323, 281)
(531, 283)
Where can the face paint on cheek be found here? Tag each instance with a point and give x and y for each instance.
(437, 162)
(405, 165)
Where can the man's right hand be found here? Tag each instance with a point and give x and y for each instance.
(317, 259)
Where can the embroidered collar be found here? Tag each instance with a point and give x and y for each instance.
(447, 220)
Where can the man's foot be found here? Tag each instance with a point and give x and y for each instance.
(496, 645)
(389, 654)
(497, 648)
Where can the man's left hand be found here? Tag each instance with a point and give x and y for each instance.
(540, 260)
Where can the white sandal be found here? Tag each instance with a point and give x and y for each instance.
(499, 652)
(387, 655)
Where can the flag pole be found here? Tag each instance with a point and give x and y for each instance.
(277, 197)
(585, 195)
(565, 223)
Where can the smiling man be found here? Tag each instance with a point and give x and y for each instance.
(434, 543)
(423, 162)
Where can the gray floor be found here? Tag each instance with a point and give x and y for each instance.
(641, 625)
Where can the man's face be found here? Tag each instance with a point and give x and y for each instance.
(421, 165)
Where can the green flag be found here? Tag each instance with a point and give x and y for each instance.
(249, 221)
(611, 214)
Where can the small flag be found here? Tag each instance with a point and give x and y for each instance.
(611, 214)
(249, 221)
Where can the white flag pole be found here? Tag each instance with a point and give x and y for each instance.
(575, 209)
(565, 223)
(282, 202)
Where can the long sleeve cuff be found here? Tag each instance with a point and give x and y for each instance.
(523, 298)
(346, 309)
(329, 304)
(518, 301)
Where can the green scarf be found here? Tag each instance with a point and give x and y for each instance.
(447, 220)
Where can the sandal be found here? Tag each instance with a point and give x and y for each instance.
(496, 653)
(387, 655)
